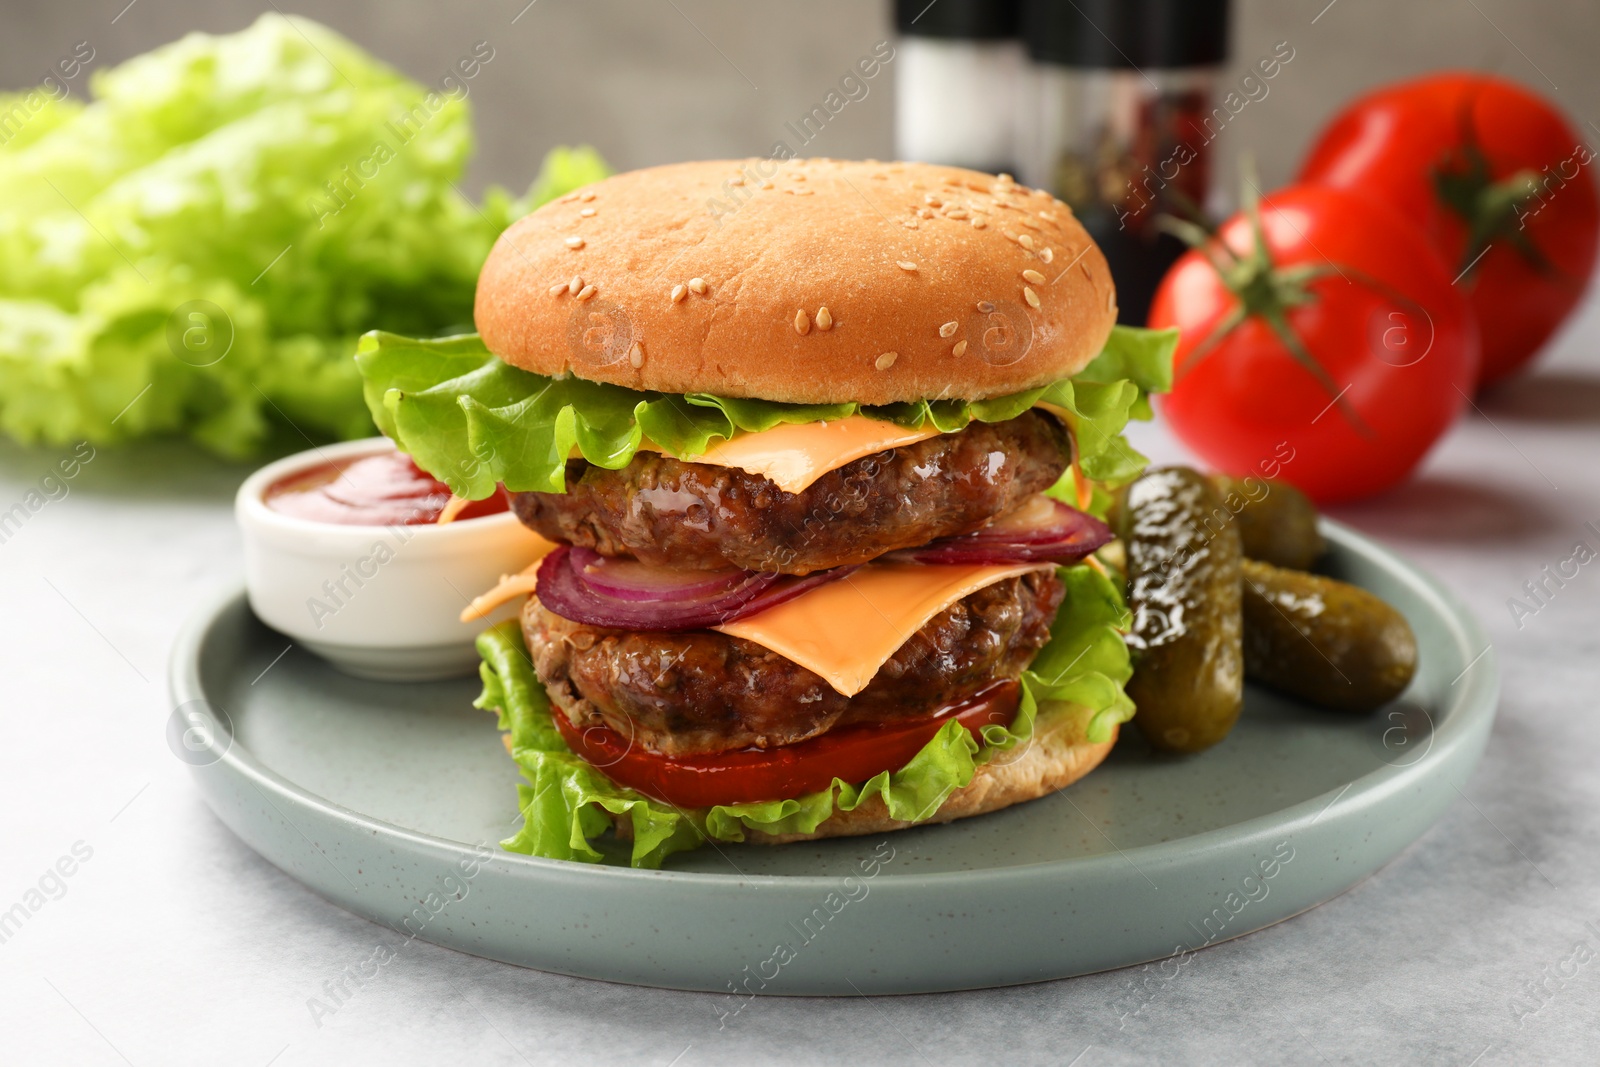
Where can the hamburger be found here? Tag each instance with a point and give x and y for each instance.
(820, 450)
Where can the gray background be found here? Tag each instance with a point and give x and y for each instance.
(653, 81)
(175, 944)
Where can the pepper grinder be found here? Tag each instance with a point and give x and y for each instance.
(1118, 121)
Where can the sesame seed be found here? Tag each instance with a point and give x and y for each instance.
(736, 180)
(574, 243)
(949, 329)
(925, 214)
(955, 213)
(1111, 300)
(802, 192)
(587, 213)
(885, 361)
(697, 286)
(959, 350)
(574, 285)
(1047, 254)
(798, 176)
(587, 292)
(1033, 276)
(1030, 224)
(558, 288)
(910, 224)
(636, 355)
(985, 307)
(802, 324)
(906, 264)
(1004, 178)
(1030, 296)
(1084, 267)
(1047, 216)
(978, 223)
(678, 293)
(766, 185)
(824, 319)
(931, 200)
(1025, 241)
(586, 196)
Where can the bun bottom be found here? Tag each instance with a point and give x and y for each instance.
(1057, 755)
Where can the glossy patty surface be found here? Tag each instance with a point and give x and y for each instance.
(703, 517)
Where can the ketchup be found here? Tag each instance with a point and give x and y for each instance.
(387, 489)
(852, 753)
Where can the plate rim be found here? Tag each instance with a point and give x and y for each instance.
(1480, 692)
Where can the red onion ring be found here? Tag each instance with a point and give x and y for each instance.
(564, 589)
(1066, 536)
(628, 579)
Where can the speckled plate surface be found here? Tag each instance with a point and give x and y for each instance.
(389, 800)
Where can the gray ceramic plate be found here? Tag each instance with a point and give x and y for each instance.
(388, 800)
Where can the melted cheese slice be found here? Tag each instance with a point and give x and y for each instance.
(509, 587)
(848, 629)
(793, 456)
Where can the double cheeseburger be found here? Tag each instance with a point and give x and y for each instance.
(817, 450)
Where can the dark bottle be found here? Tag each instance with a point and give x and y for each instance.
(1117, 119)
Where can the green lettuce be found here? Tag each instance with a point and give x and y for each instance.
(474, 421)
(565, 802)
(301, 189)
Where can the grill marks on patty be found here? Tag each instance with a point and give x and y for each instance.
(699, 692)
(698, 516)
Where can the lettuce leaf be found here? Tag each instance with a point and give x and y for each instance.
(1079, 674)
(473, 421)
(265, 173)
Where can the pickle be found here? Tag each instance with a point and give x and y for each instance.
(1323, 641)
(1183, 592)
(1277, 522)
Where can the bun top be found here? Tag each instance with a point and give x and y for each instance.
(808, 281)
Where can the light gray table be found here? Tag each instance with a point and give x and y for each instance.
(172, 943)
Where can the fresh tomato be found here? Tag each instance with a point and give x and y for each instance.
(1328, 348)
(1499, 182)
(853, 753)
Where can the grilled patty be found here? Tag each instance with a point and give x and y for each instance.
(701, 517)
(699, 692)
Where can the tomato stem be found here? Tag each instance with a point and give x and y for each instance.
(1488, 208)
(1263, 289)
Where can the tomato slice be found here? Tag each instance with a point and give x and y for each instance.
(853, 753)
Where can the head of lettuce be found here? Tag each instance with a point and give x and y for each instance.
(193, 249)
(823, 474)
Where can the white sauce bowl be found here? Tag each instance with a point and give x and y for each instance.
(377, 602)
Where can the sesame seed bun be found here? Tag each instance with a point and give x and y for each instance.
(809, 281)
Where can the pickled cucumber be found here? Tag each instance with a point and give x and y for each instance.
(1323, 641)
(1183, 592)
(1277, 522)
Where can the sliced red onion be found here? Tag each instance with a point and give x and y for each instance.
(1060, 534)
(628, 579)
(565, 588)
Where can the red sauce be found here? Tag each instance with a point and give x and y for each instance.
(852, 753)
(387, 489)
